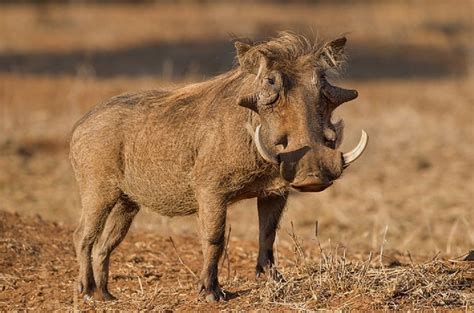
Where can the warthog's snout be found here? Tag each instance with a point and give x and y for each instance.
(314, 171)
(310, 169)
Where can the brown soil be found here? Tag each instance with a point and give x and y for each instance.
(38, 269)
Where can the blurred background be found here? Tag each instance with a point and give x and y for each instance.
(411, 61)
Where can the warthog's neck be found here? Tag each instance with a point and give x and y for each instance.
(226, 153)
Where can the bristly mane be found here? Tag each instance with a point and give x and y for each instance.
(287, 47)
(284, 49)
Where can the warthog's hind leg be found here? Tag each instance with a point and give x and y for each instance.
(115, 230)
(96, 208)
(77, 236)
(270, 209)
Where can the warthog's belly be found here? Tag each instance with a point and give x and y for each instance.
(162, 186)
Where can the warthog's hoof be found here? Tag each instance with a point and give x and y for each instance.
(274, 274)
(212, 294)
(215, 297)
(98, 295)
(105, 296)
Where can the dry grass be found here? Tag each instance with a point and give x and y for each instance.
(335, 280)
(339, 283)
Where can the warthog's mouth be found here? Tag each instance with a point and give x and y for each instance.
(311, 184)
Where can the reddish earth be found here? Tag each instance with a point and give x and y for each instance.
(38, 269)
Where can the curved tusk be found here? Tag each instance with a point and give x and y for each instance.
(354, 154)
(267, 155)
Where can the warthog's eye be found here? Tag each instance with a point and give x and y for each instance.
(270, 91)
(270, 81)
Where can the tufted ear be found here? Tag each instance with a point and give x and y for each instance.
(338, 44)
(333, 52)
(241, 49)
(250, 59)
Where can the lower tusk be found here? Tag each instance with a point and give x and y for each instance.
(262, 150)
(354, 154)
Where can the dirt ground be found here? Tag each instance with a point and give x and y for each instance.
(155, 272)
(410, 195)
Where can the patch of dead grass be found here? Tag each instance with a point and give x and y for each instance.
(337, 281)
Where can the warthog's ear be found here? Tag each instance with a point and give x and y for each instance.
(338, 44)
(250, 60)
(241, 49)
(333, 52)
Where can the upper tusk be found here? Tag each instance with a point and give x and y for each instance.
(354, 154)
(267, 155)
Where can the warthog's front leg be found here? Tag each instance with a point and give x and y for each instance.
(270, 209)
(212, 216)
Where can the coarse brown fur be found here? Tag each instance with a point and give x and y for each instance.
(187, 151)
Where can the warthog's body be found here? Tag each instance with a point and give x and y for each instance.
(158, 146)
(186, 151)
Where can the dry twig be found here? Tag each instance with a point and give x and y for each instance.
(181, 260)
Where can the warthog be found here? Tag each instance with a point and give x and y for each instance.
(256, 131)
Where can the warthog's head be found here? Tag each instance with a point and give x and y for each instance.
(295, 102)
